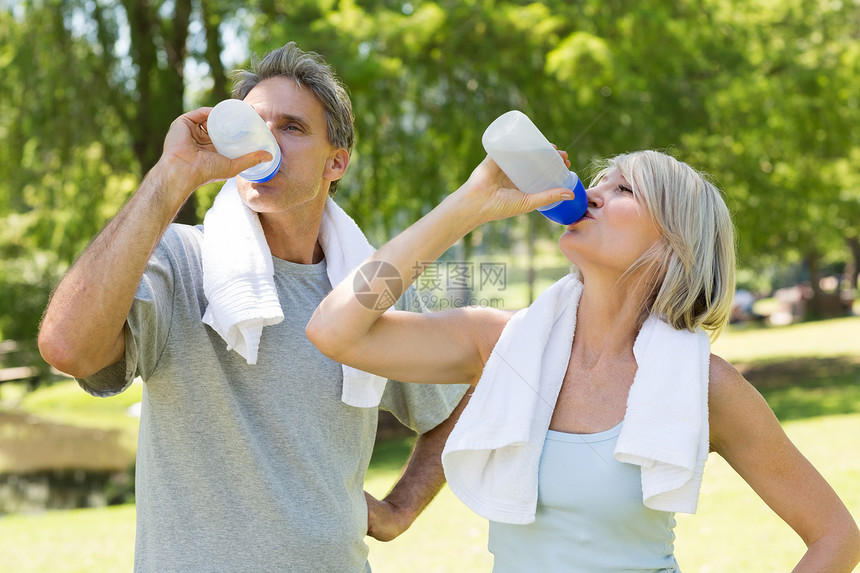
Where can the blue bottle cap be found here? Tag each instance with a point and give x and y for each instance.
(266, 177)
(570, 210)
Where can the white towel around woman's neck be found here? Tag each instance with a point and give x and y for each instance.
(492, 456)
(238, 279)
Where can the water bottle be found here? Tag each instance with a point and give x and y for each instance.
(533, 165)
(236, 129)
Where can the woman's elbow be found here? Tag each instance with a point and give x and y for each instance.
(853, 541)
(841, 543)
(323, 335)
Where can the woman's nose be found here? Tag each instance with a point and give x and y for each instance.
(595, 198)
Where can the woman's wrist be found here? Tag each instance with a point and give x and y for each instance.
(464, 213)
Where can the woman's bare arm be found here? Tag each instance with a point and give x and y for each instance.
(747, 434)
(443, 347)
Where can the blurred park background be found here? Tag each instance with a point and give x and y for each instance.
(762, 94)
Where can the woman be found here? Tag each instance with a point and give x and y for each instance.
(579, 449)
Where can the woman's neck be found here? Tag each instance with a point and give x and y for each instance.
(608, 318)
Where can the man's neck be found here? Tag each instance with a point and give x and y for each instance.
(293, 236)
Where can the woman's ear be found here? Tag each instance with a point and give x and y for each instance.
(336, 164)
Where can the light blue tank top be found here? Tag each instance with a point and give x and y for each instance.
(590, 516)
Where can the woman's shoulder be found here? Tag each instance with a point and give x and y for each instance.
(724, 380)
(491, 317)
(721, 372)
(735, 407)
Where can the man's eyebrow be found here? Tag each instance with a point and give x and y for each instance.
(282, 118)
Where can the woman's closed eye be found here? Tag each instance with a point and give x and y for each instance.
(625, 189)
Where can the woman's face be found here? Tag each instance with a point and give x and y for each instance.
(615, 231)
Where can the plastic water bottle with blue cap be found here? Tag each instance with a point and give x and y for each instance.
(533, 164)
(235, 129)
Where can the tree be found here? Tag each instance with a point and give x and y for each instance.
(758, 93)
(777, 131)
(427, 78)
(83, 114)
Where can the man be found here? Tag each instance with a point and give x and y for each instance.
(241, 467)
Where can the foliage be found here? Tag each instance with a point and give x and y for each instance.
(777, 130)
(427, 78)
(758, 93)
(83, 113)
(53, 169)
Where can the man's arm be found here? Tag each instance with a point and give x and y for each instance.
(421, 480)
(82, 330)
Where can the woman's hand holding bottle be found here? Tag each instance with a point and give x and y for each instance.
(489, 195)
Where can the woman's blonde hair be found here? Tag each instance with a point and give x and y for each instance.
(690, 273)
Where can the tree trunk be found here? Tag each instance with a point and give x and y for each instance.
(852, 272)
(161, 88)
(212, 21)
(814, 302)
(848, 292)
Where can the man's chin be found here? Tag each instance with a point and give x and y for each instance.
(260, 198)
(263, 200)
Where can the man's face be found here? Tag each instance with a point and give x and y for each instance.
(308, 161)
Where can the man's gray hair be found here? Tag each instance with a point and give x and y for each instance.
(307, 69)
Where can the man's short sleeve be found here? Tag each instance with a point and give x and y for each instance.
(421, 407)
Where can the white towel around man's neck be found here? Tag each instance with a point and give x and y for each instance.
(238, 279)
(492, 456)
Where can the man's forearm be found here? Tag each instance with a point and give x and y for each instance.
(82, 331)
(421, 480)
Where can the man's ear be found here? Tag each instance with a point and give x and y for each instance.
(336, 164)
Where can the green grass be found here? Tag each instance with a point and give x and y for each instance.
(803, 370)
(809, 373)
(447, 537)
(74, 541)
(65, 402)
(735, 531)
(818, 339)
(732, 531)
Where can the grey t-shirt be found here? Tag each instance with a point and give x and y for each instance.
(247, 468)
